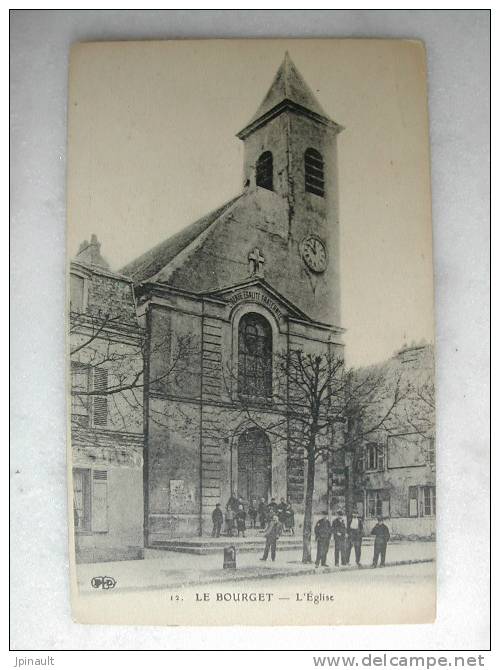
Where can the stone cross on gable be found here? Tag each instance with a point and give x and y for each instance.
(256, 260)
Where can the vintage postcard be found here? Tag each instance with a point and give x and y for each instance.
(250, 314)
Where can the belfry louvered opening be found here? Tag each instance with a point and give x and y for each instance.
(264, 176)
(314, 172)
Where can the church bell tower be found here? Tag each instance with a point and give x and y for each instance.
(290, 165)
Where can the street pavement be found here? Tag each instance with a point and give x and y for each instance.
(167, 569)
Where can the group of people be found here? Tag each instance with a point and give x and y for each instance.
(275, 519)
(348, 534)
(259, 514)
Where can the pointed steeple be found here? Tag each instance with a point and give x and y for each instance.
(288, 91)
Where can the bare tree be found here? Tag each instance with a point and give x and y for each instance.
(420, 411)
(113, 357)
(314, 396)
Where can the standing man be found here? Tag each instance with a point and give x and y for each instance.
(339, 537)
(282, 511)
(217, 520)
(232, 503)
(322, 532)
(290, 519)
(273, 507)
(272, 533)
(262, 510)
(355, 534)
(240, 520)
(229, 521)
(382, 537)
(252, 512)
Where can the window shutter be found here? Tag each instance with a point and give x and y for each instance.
(99, 501)
(380, 458)
(100, 403)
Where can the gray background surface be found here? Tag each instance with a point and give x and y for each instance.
(458, 62)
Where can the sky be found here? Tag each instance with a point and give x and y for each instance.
(152, 147)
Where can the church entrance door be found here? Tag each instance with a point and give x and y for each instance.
(254, 465)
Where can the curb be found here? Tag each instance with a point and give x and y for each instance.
(235, 577)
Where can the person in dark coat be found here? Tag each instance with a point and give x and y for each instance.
(232, 503)
(322, 533)
(339, 537)
(263, 512)
(273, 507)
(290, 519)
(272, 533)
(230, 522)
(240, 520)
(252, 512)
(217, 520)
(282, 512)
(382, 537)
(354, 538)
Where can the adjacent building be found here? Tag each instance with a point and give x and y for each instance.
(107, 437)
(394, 469)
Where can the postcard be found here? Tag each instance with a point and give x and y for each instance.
(250, 333)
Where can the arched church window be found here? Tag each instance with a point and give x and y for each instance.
(314, 172)
(255, 348)
(264, 177)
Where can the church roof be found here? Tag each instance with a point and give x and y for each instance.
(288, 87)
(153, 261)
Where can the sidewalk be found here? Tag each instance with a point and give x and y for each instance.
(167, 569)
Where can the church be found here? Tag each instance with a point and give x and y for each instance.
(257, 276)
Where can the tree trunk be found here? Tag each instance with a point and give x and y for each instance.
(349, 492)
(308, 508)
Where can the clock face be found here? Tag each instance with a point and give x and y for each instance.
(314, 254)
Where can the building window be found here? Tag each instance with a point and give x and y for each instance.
(90, 500)
(377, 503)
(87, 408)
(314, 172)
(428, 502)
(79, 393)
(264, 177)
(254, 356)
(422, 501)
(374, 457)
(431, 452)
(77, 293)
(360, 464)
(81, 500)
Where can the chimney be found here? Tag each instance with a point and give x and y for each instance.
(90, 253)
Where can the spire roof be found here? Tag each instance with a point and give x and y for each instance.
(288, 89)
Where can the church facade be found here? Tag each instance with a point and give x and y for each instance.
(218, 300)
